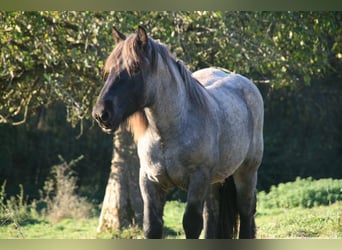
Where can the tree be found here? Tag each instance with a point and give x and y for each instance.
(122, 204)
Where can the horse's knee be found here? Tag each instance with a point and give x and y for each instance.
(247, 205)
(197, 193)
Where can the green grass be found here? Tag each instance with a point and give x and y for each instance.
(173, 215)
(316, 222)
(305, 208)
(43, 229)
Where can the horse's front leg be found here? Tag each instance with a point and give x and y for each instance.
(211, 212)
(197, 191)
(154, 200)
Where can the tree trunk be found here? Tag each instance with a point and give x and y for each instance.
(122, 205)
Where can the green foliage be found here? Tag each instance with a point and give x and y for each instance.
(274, 47)
(304, 193)
(173, 216)
(49, 56)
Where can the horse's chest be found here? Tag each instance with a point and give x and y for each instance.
(161, 166)
(152, 162)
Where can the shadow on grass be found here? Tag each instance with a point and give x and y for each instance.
(22, 223)
(170, 232)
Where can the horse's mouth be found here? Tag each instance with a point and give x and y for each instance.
(108, 128)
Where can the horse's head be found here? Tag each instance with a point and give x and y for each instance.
(124, 90)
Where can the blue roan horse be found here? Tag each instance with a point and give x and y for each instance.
(201, 132)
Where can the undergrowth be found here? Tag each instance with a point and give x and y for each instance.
(305, 193)
(58, 200)
(15, 210)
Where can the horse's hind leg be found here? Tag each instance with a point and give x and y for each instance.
(154, 199)
(197, 191)
(245, 181)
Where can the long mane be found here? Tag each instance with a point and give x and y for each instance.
(127, 55)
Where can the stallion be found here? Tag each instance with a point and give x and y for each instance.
(201, 132)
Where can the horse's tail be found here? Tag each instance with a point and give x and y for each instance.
(228, 213)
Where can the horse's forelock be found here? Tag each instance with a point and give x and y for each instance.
(134, 55)
(125, 54)
(113, 62)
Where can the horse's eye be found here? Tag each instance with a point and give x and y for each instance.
(135, 70)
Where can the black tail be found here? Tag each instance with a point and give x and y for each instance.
(228, 215)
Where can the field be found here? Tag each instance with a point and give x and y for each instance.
(274, 219)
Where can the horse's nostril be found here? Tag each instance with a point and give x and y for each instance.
(105, 116)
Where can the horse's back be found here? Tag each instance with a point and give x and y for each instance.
(212, 79)
(209, 76)
(215, 79)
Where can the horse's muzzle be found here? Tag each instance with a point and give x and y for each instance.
(105, 118)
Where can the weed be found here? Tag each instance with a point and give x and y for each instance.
(15, 210)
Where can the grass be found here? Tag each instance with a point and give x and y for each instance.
(298, 222)
(302, 209)
(316, 222)
(173, 214)
(44, 229)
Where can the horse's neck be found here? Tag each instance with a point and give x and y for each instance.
(169, 112)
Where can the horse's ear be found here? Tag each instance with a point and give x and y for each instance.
(142, 37)
(117, 35)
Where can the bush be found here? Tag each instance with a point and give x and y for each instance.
(59, 193)
(304, 193)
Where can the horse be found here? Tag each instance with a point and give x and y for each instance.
(201, 132)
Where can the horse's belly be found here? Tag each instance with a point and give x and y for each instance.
(233, 151)
(221, 172)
